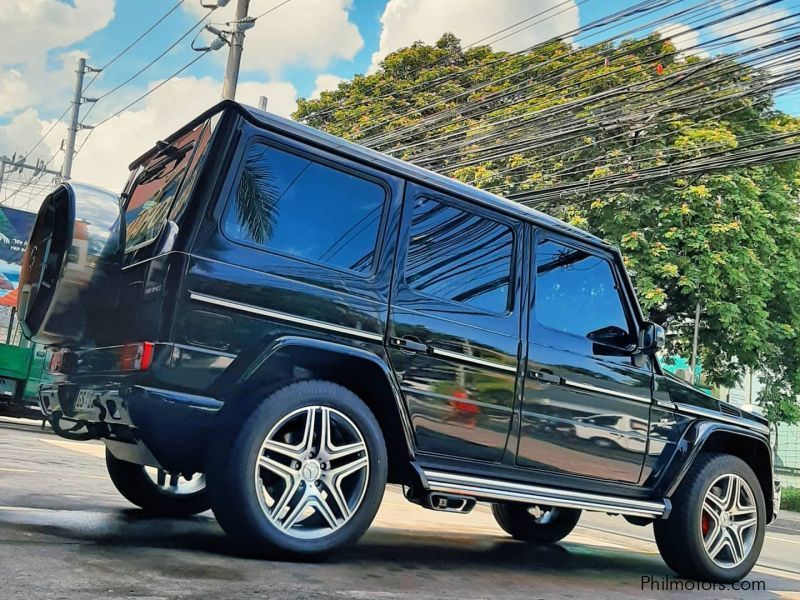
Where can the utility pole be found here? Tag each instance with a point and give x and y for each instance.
(12, 165)
(69, 150)
(693, 364)
(235, 52)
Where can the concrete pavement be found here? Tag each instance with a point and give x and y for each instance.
(66, 533)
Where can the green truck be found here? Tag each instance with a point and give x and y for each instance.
(23, 367)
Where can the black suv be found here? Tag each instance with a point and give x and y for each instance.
(273, 323)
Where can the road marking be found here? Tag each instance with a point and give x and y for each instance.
(11, 470)
(780, 539)
(33, 509)
(96, 450)
(785, 574)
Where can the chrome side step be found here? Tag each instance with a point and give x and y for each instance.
(492, 489)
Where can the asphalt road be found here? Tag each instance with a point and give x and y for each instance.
(66, 533)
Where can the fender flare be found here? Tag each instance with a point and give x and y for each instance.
(697, 435)
(283, 343)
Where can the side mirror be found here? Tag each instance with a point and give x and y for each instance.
(651, 338)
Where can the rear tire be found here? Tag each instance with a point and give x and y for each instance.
(281, 486)
(139, 488)
(552, 526)
(705, 516)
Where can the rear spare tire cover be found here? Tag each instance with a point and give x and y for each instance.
(71, 265)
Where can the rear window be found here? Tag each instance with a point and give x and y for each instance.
(157, 183)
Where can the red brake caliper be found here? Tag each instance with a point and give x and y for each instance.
(705, 524)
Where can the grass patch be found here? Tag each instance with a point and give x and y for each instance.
(790, 499)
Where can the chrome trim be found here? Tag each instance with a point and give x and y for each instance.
(718, 416)
(281, 316)
(472, 360)
(491, 489)
(599, 390)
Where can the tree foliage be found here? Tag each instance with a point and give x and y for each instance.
(727, 241)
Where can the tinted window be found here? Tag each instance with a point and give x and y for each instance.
(576, 292)
(306, 209)
(155, 185)
(459, 256)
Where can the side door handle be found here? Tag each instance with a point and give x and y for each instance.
(545, 377)
(409, 343)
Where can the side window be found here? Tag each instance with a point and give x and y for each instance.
(459, 256)
(306, 209)
(576, 293)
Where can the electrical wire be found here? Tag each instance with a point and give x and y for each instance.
(372, 141)
(150, 91)
(269, 10)
(122, 52)
(183, 36)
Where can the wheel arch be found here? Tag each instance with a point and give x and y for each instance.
(751, 447)
(363, 372)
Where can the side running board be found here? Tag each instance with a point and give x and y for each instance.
(491, 489)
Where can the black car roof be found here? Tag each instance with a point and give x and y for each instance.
(383, 162)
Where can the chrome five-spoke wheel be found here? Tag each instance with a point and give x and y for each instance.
(312, 472)
(729, 520)
(715, 528)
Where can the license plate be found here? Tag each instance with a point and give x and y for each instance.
(85, 399)
(8, 387)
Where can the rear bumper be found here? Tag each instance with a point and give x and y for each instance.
(176, 428)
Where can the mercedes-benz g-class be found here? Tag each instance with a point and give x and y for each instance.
(272, 322)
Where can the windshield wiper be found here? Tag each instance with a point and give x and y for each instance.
(167, 153)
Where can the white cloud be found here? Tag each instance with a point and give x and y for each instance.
(13, 90)
(407, 21)
(105, 158)
(309, 32)
(22, 132)
(31, 30)
(684, 38)
(33, 27)
(753, 29)
(325, 83)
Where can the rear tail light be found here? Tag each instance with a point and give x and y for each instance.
(135, 357)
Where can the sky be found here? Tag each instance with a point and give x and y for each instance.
(295, 51)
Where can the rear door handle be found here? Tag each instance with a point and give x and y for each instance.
(410, 343)
(546, 377)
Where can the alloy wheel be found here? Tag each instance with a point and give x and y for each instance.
(175, 484)
(542, 515)
(729, 521)
(312, 472)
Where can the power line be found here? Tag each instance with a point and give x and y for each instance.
(157, 58)
(269, 10)
(150, 91)
(46, 133)
(416, 128)
(97, 73)
(122, 52)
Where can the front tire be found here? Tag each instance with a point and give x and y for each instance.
(716, 528)
(303, 476)
(547, 525)
(160, 494)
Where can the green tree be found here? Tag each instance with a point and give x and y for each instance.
(521, 123)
